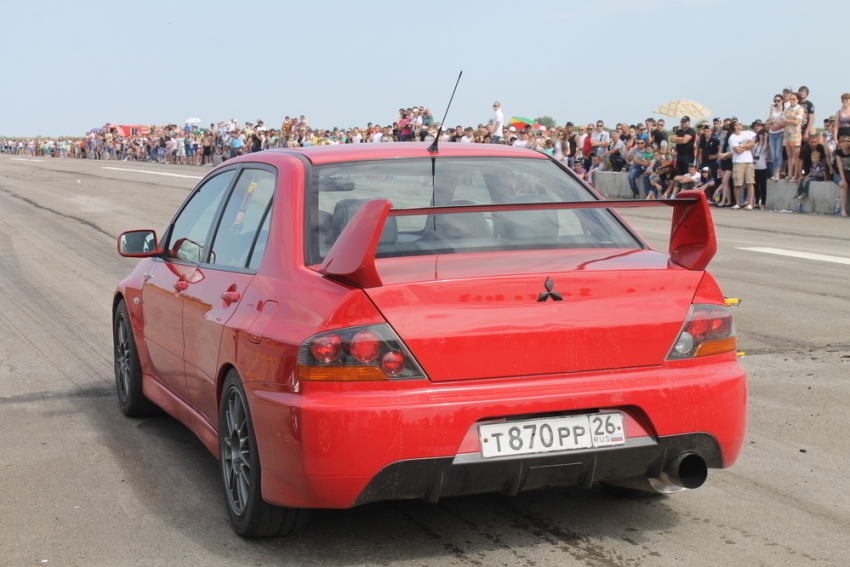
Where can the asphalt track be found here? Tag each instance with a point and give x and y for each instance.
(82, 485)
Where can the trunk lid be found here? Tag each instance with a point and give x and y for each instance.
(467, 316)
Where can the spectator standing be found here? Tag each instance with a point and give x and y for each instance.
(792, 119)
(842, 119)
(741, 142)
(599, 140)
(725, 173)
(760, 154)
(562, 151)
(808, 125)
(684, 140)
(497, 129)
(580, 138)
(707, 150)
(776, 134)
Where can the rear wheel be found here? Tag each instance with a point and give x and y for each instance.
(250, 515)
(128, 370)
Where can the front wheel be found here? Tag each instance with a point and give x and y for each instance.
(128, 370)
(250, 515)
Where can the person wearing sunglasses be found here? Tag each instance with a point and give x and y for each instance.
(639, 163)
(775, 134)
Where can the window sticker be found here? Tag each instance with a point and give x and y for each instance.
(237, 222)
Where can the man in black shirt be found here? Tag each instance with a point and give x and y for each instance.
(684, 140)
(709, 147)
(809, 117)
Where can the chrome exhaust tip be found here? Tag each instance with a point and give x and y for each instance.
(687, 471)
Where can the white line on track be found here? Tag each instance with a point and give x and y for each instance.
(154, 172)
(26, 159)
(804, 255)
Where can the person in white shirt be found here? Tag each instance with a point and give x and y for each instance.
(376, 135)
(741, 142)
(522, 141)
(683, 182)
(496, 130)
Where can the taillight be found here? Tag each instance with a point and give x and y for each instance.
(372, 352)
(709, 329)
(364, 346)
(326, 348)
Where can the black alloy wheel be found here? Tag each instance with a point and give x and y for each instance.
(250, 515)
(128, 370)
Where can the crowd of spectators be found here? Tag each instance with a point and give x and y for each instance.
(731, 162)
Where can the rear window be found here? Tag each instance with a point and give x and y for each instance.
(338, 190)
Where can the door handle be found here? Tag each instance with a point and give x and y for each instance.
(181, 285)
(230, 296)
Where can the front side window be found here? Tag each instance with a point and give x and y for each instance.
(239, 228)
(188, 238)
(338, 190)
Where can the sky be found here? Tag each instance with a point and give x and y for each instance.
(69, 67)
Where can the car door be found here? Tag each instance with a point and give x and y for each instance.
(236, 246)
(170, 276)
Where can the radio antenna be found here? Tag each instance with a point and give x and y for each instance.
(432, 149)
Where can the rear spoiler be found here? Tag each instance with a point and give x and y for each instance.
(352, 257)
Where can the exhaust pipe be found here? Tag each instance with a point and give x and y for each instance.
(688, 470)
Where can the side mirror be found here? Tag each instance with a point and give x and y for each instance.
(138, 244)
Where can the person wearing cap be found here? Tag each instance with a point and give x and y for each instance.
(706, 183)
(786, 97)
(716, 127)
(740, 143)
(639, 162)
(707, 150)
(684, 139)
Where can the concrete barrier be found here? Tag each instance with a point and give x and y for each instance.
(780, 194)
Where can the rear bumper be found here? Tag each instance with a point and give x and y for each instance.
(335, 445)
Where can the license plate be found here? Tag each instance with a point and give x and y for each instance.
(550, 434)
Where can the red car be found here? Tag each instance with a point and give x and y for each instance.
(348, 324)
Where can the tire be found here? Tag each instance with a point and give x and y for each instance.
(128, 370)
(250, 515)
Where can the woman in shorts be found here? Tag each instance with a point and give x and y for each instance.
(792, 119)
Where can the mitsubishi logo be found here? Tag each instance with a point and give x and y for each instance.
(549, 293)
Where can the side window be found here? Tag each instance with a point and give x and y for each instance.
(260, 246)
(188, 237)
(241, 220)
